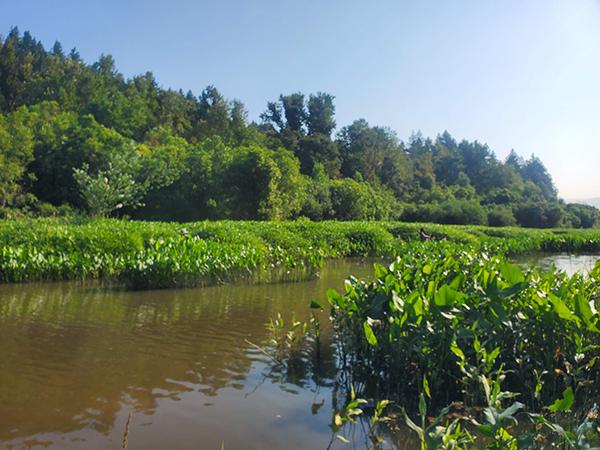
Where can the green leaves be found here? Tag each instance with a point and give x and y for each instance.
(565, 403)
(511, 273)
(561, 309)
(460, 316)
(369, 335)
(585, 313)
(447, 297)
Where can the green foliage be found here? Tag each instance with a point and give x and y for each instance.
(440, 301)
(154, 254)
(16, 152)
(501, 216)
(202, 159)
(108, 190)
(354, 200)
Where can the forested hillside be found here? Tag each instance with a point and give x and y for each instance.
(75, 136)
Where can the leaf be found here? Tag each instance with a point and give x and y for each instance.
(381, 405)
(426, 386)
(584, 312)
(509, 412)
(565, 403)
(486, 430)
(457, 351)
(334, 297)
(511, 273)
(427, 269)
(413, 426)
(561, 309)
(369, 335)
(380, 271)
(314, 304)
(446, 296)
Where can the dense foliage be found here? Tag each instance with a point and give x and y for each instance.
(157, 254)
(80, 136)
(440, 308)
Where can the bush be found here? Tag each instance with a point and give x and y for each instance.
(501, 216)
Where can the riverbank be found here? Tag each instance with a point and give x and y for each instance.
(157, 255)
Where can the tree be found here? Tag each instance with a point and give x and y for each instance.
(515, 161)
(420, 153)
(108, 190)
(534, 170)
(16, 152)
(12, 73)
(273, 116)
(294, 111)
(317, 201)
(213, 114)
(321, 111)
(318, 149)
(501, 216)
(447, 160)
(363, 150)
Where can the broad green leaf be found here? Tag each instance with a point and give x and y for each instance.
(584, 312)
(380, 271)
(561, 309)
(565, 403)
(445, 296)
(511, 273)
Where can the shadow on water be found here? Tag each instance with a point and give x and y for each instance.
(74, 360)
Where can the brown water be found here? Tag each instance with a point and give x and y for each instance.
(75, 360)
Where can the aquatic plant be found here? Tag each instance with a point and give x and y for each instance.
(156, 254)
(453, 314)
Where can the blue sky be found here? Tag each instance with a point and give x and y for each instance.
(522, 74)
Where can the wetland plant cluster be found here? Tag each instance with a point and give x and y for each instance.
(448, 325)
(158, 255)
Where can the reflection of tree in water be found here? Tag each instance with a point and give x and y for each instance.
(74, 359)
(71, 357)
(319, 365)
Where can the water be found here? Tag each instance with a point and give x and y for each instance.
(566, 262)
(74, 361)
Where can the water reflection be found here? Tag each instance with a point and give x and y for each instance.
(74, 360)
(566, 262)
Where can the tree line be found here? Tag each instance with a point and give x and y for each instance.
(81, 137)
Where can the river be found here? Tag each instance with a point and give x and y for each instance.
(76, 359)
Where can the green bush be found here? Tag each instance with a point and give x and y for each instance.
(501, 216)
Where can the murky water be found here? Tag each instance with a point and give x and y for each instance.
(566, 262)
(74, 361)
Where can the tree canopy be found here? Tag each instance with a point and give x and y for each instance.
(78, 136)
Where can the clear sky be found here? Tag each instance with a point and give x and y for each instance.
(522, 74)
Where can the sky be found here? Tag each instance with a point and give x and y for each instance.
(522, 74)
